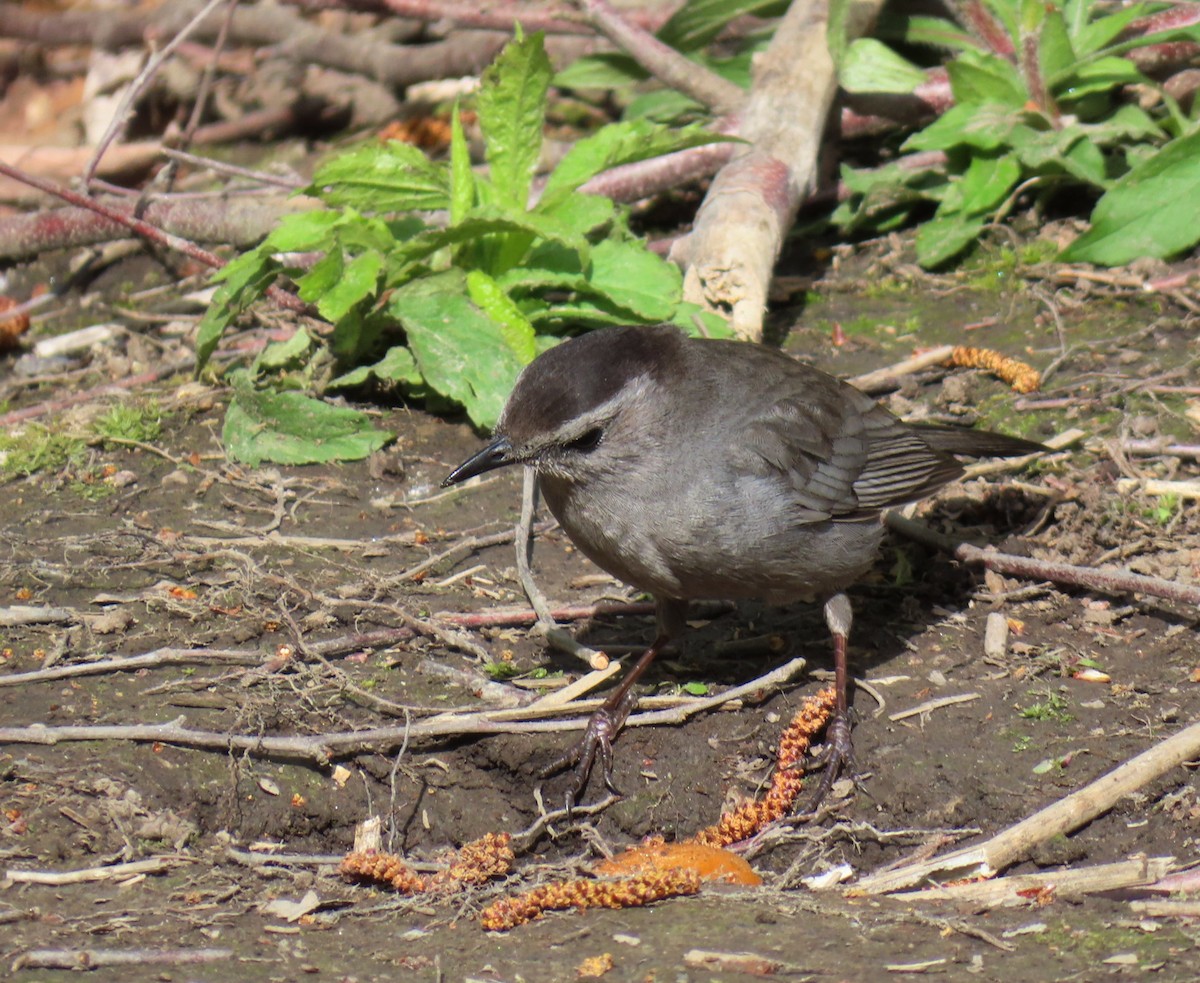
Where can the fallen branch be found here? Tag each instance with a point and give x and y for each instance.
(95, 958)
(1106, 581)
(1062, 817)
(323, 748)
(1024, 889)
(88, 875)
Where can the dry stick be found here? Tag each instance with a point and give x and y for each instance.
(1104, 580)
(752, 203)
(151, 660)
(1064, 816)
(95, 958)
(882, 380)
(509, 618)
(557, 636)
(322, 748)
(662, 61)
(1015, 889)
(111, 872)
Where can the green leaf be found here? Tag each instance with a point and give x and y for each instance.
(581, 213)
(488, 296)
(512, 113)
(1102, 75)
(667, 106)
(938, 32)
(461, 352)
(985, 184)
(615, 144)
(321, 276)
(397, 366)
(291, 428)
(462, 177)
(282, 354)
(1154, 210)
(389, 177)
(978, 78)
(871, 66)
(245, 280)
(485, 221)
(1092, 37)
(359, 281)
(699, 322)
(606, 70)
(986, 127)
(698, 22)
(1055, 53)
(631, 277)
(303, 231)
(941, 239)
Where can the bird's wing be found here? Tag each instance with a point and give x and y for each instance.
(842, 455)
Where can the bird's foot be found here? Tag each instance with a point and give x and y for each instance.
(836, 758)
(595, 745)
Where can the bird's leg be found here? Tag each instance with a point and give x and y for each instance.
(838, 755)
(604, 725)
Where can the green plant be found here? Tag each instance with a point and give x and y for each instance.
(1050, 706)
(449, 313)
(38, 448)
(1040, 102)
(130, 421)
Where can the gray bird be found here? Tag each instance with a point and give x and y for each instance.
(702, 469)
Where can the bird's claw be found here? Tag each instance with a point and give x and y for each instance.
(836, 758)
(595, 744)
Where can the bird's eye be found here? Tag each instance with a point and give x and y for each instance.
(589, 440)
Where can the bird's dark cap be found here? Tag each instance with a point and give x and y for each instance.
(583, 373)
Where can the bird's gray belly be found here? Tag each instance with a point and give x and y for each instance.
(674, 547)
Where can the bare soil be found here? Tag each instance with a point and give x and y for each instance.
(188, 552)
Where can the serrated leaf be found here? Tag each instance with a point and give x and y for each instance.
(984, 127)
(291, 428)
(615, 144)
(1154, 210)
(321, 276)
(871, 66)
(1091, 37)
(389, 177)
(666, 106)
(460, 351)
(512, 111)
(631, 277)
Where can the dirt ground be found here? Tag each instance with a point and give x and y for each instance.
(165, 548)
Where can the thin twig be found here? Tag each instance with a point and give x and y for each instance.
(1105, 581)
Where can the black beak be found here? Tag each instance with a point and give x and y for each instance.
(497, 454)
